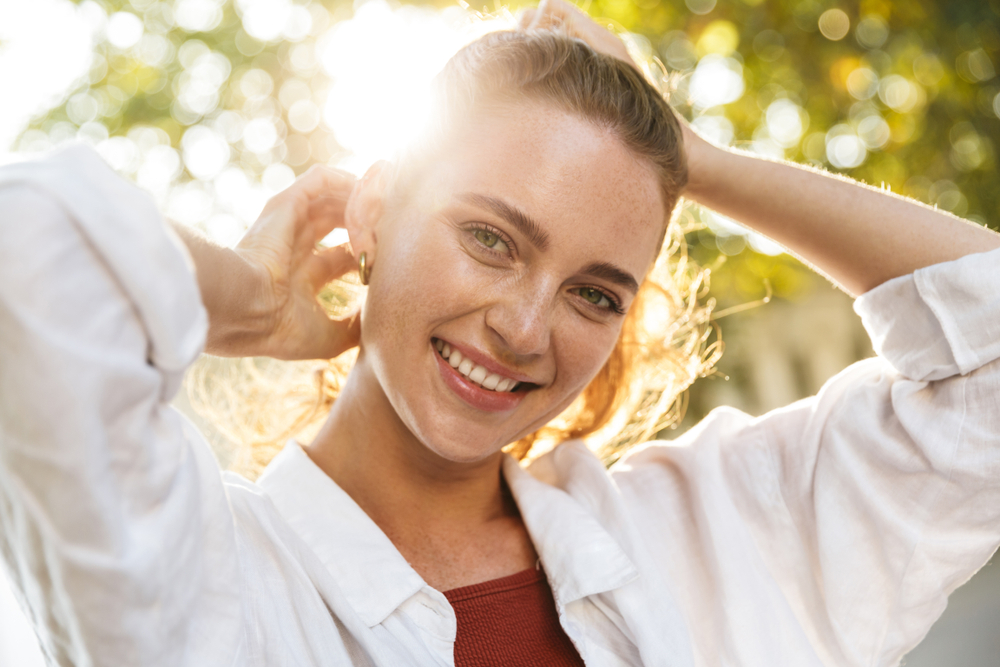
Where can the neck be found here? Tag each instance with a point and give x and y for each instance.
(404, 486)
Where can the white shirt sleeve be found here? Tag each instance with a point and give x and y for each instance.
(114, 525)
(841, 523)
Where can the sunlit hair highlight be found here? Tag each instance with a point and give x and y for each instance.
(509, 68)
(663, 346)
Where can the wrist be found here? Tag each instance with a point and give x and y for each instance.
(241, 308)
(702, 162)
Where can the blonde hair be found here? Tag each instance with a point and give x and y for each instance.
(663, 346)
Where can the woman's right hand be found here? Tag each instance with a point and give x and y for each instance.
(261, 296)
(563, 16)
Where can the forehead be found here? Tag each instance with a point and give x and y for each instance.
(571, 176)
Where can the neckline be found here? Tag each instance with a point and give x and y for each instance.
(522, 579)
(579, 553)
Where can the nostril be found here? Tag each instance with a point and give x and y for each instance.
(523, 328)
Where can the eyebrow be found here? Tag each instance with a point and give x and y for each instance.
(515, 216)
(612, 273)
(537, 236)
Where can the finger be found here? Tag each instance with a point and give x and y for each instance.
(540, 14)
(546, 22)
(566, 10)
(566, 17)
(317, 201)
(320, 180)
(325, 215)
(328, 191)
(526, 16)
(329, 264)
(553, 13)
(340, 335)
(318, 336)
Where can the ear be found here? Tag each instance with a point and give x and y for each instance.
(364, 210)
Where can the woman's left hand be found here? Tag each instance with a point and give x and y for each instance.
(560, 14)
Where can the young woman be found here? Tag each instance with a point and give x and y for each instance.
(504, 256)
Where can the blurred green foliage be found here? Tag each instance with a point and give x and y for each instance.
(912, 85)
(941, 144)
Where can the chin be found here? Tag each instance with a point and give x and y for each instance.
(450, 437)
(460, 451)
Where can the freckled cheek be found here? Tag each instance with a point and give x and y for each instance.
(421, 283)
(582, 351)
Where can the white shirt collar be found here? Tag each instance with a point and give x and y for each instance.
(579, 556)
(374, 576)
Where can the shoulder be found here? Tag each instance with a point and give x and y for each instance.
(574, 464)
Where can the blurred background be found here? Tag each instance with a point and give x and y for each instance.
(214, 105)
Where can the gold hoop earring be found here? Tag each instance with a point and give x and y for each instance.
(364, 270)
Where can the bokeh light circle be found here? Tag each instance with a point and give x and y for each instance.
(124, 29)
(844, 148)
(834, 24)
(717, 80)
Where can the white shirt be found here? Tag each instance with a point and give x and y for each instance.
(826, 533)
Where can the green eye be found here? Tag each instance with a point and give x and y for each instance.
(488, 239)
(598, 298)
(593, 296)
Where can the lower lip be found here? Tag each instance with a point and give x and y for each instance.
(473, 394)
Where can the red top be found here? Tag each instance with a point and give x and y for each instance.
(510, 622)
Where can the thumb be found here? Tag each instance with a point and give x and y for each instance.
(342, 334)
(330, 264)
(322, 336)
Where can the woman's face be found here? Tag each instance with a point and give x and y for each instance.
(520, 250)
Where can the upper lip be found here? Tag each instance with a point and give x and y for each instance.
(484, 360)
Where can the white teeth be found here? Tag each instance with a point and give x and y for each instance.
(474, 372)
(478, 374)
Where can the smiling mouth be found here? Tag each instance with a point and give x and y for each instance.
(476, 374)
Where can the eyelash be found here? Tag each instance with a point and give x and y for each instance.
(507, 241)
(615, 306)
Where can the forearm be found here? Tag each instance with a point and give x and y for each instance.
(233, 294)
(110, 500)
(857, 235)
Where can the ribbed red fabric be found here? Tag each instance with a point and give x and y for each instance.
(510, 622)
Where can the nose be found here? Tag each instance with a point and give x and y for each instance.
(522, 319)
